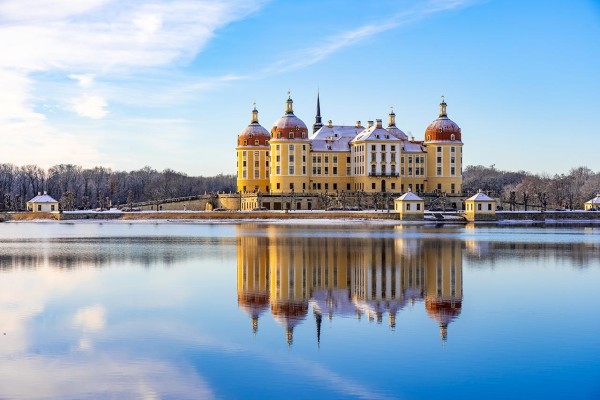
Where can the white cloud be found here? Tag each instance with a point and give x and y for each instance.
(148, 25)
(90, 106)
(83, 40)
(36, 10)
(83, 80)
(114, 376)
(91, 318)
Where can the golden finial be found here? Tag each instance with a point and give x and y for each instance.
(442, 98)
(289, 94)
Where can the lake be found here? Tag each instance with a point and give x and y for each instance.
(284, 310)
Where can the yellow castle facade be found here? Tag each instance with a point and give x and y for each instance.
(340, 158)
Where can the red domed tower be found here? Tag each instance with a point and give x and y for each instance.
(444, 154)
(290, 150)
(253, 157)
(442, 129)
(289, 126)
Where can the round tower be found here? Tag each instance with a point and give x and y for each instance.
(253, 157)
(290, 150)
(443, 140)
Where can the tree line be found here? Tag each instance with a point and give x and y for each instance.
(523, 190)
(88, 188)
(99, 187)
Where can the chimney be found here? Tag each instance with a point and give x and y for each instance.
(45, 193)
(358, 125)
(329, 124)
(370, 124)
(39, 193)
(379, 125)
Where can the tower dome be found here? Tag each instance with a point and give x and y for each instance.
(289, 126)
(289, 314)
(443, 128)
(443, 311)
(254, 134)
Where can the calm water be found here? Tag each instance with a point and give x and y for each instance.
(193, 311)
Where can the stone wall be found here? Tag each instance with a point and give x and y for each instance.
(198, 204)
(75, 216)
(229, 201)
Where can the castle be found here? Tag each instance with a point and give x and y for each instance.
(336, 159)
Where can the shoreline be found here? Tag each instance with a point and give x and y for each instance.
(292, 217)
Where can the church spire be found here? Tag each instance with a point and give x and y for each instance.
(318, 319)
(318, 124)
(289, 335)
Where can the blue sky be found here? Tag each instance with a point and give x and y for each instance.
(170, 84)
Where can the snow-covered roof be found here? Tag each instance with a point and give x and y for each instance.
(595, 200)
(334, 138)
(375, 133)
(409, 196)
(330, 302)
(393, 129)
(339, 137)
(412, 147)
(480, 196)
(43, 198)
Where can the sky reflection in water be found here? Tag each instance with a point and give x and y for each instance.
(258, 310)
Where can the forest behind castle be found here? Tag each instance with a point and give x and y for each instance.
(87, 188)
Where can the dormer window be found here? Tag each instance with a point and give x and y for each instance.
(278, 135)
(256, 142)
(428, 138)
(452, 137)
(245, 143)
(291, 135)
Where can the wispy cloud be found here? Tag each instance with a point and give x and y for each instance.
(327, 47)
(88, 40)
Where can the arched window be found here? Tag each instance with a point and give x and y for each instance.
(428, 138)
(452, 137)
(256, 142)
(291, 135)
(245, 143)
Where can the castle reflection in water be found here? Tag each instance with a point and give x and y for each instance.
(347, 276)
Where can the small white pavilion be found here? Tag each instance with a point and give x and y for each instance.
(480, 207)
(593, 204)
(409, 206)
(42, 203)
